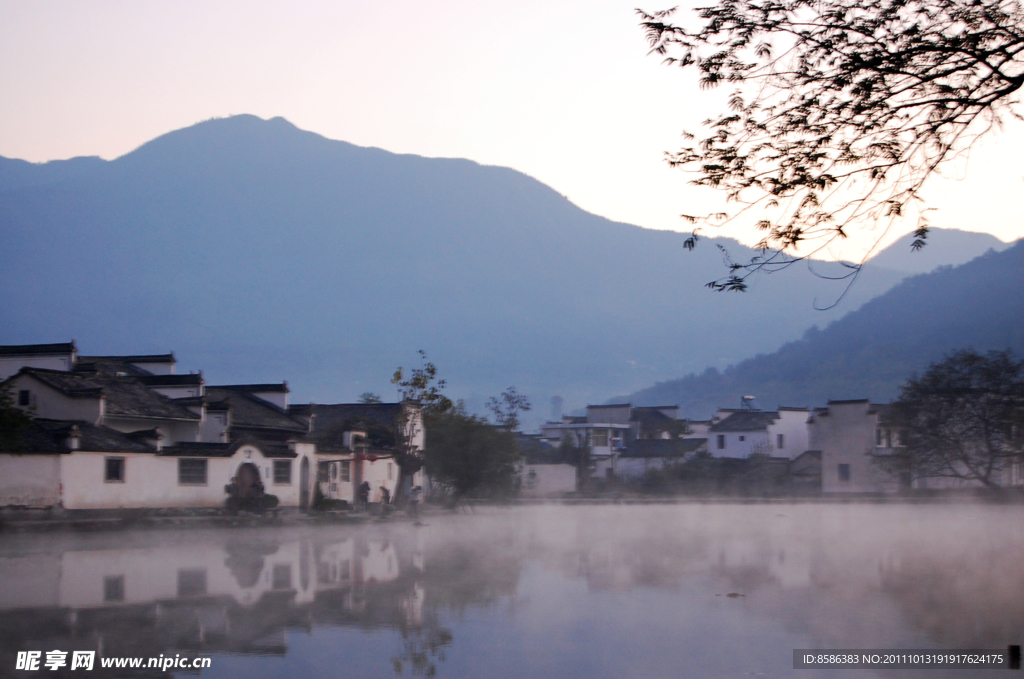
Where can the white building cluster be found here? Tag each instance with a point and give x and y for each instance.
(838, 448)
(127, 432)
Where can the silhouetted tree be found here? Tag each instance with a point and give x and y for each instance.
(423, 385)
(470, 457)
(369, 397)
(13, 420)
(506, 409)
(962, 419)
(842, 111)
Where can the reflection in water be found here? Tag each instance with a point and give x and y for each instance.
(579, 591)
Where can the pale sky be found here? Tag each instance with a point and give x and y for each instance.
(562, 90)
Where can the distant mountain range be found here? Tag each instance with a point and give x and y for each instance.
(258, 252)
(870, 352)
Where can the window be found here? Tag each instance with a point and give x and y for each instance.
(192, 582)
(191, 472)
(844, 472)
(23, 397)
(113, 588)
(113, 471)
(780, 441)
(282, 472)
(878, 438)
(721, 441)
(599, 438)
(323, 472)
(743, 438)
(346, 471)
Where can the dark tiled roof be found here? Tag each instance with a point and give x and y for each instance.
(650, 416)
(331, 416)
(611, 405)
(191, 379)
(109, 366)
(36, 349)
(106, 440)
(183, 449)
(51, 437)
(281, 388)
(70, 384)
(136, 358)
(663, 448)
(252, 412)
(32, 439)
(125, 396)
(746, 420)
(225, 449)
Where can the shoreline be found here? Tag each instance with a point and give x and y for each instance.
(25, 520)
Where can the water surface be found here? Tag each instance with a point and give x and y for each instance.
(694, 590)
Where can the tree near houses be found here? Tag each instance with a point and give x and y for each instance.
(470, 457)
(420, 385)
(842, 110)
(13, 421)
(962, 419)
(506, 409)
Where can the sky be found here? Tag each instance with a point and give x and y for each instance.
(563, 90)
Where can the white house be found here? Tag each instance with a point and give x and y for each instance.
(644, 455)
(846, 433)
(745, 432)
(355, 443)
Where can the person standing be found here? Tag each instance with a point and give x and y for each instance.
(364, 494)
(414, 500)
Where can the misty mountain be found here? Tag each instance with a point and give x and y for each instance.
(257, 252)
(870, 352)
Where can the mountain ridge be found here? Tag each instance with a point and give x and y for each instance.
(260, 251)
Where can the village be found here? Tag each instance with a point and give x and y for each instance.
(128, 432)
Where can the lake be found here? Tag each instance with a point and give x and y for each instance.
(684, 590)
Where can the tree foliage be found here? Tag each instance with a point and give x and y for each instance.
(423, 385)
(471, 457)
(13, 420)
(963, 419)
(506, 409)
(842, 110)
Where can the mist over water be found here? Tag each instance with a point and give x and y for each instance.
(705, 590)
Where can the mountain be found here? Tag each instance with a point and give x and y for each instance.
(258, 251)
(944, 247)
(870, 352)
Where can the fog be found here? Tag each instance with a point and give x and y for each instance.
(706, 590)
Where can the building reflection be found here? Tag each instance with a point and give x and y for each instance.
(840, 577)
(238, 595)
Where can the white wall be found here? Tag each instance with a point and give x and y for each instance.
(792, 425)
(29, 480)
(151, 481)
(376, 474)
(846, 436)
(546, 480)
(9, 365)
(739, 444)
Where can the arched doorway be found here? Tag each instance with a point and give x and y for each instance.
(249, 484)
(304, 485)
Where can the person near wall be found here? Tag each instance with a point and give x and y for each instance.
(414, 500)
(364, 494)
